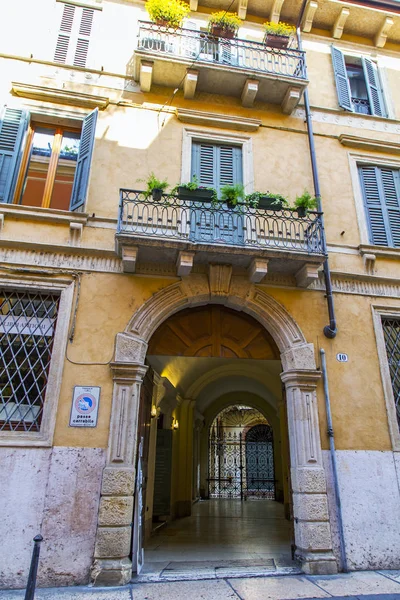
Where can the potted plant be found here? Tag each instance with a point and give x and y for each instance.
(224, 24)
(155, 187)
(266, 200)
(167, 13)
(194, 191)
(277, 35)
(304, 203)
(233, 194)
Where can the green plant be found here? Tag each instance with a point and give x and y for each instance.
(305, 201)
(253, 199)
(153, 183)
(279, 28)
(195, 185)
(232, 194)
(225, 20)
(171, 11)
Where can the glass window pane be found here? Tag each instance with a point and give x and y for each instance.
(38, 167)
(65, 172)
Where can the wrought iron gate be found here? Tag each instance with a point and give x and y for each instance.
(241, 465)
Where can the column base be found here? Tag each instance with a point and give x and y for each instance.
(111, 572)
(313, 563)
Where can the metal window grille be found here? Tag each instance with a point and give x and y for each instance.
(391, 332)
(27, 325)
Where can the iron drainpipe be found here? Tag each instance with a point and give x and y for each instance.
(333, 462)
(330, 330)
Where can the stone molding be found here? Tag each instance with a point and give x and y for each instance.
(371, 144)
(59, 96)
(353, 120)
(196, 117)
(60, 260)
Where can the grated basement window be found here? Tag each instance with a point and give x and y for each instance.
(391, 332)
(27, 326)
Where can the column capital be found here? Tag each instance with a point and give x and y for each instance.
(129, 373)
(301, 378)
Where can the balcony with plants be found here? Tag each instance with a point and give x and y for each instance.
(192, 224)
(216, 60)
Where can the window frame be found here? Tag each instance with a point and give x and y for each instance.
(191, 135)
(53, 162)
(355, 161)
(378, 312)
(65, 288)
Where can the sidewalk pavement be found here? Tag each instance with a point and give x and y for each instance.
(363, 585)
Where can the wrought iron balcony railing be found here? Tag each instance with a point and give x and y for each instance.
(175, 219)
(203, 48)
(361, 105)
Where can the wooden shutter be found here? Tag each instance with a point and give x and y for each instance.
(374, 90)
(13, 124)
(216, 165)
(382, 201)
(81, 180)
(342, 81)
(64, 36)
(72, 45)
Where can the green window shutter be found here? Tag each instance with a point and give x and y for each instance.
(381, 191)
(216, 165)
(374, 89)
(342, 81)
(13, 124)
(81, 180)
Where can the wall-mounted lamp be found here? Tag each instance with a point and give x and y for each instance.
(153, 412)
(175, 424)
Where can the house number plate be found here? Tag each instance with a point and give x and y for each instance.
(342, 357)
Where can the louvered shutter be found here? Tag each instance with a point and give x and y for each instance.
(13, 124)
(81, 180)
(390, 188)
(342, 81)
(374, 90)
(64, 36)
(82, 45)
(216, 166)
(373, 206)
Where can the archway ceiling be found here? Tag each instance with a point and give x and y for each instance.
(205, 379)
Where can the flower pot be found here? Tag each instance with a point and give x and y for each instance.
(268, 203)
(276, 41)
(162, 23)
(157, 194)
(224, 32)
(301, 211)
(199, 195)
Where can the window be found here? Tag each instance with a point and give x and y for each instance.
(27, 326)
(358, 84)
(391, 333)
(216, 165)
(44, 166)
(72, 45)
(381, 193)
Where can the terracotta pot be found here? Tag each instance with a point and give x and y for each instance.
(276, 41)
(223, 32)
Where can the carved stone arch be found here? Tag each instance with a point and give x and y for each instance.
(131, 346)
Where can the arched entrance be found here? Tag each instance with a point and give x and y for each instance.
(312, 530)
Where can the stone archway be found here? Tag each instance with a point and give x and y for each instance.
(112, 565)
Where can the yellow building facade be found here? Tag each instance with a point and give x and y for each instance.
(135, 328)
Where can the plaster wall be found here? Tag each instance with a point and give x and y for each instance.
(54, 492)
(370, 495)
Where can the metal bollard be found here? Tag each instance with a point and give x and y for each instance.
(31, 585)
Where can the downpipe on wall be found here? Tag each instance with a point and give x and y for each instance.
(330, 330)
(332, 450)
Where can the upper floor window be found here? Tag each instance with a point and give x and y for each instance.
(358, 84)
(27, 327)
(381, 192)
(43, 165)
(72, 46)
(216, 165)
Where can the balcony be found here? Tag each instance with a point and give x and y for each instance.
(200, 62)
(186, 232)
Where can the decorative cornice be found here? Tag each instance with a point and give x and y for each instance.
(196, 117)
(353, 120)
(59, 96)
(60, 260)
(45, 215)
(353, 141)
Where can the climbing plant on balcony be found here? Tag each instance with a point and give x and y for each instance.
(169, 13)
(224, 24)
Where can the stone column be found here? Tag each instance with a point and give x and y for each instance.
(310, 505)
(112, 560)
